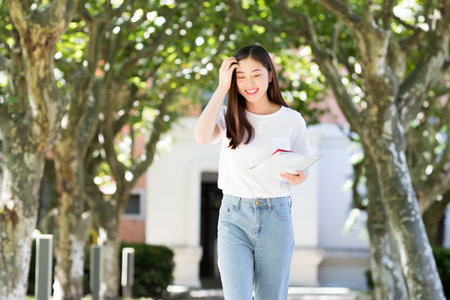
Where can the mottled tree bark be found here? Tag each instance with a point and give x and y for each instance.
(385, 265)
(106, 217)
(22, 172)
(398, 197)
(71, 228)
(27, 131)
(70, 148)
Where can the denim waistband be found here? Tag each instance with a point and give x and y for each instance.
(250, 202)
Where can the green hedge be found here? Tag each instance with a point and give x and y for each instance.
(442, 257)
(153, 270)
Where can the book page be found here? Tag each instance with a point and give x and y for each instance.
(281, 162)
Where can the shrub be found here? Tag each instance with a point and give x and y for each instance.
(153, 271)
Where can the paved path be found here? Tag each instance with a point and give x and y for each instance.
(295, 293)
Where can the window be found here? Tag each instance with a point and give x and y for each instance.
(135, 208)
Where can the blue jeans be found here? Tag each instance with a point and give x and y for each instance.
(255, 244)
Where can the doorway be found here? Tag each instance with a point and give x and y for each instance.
(211, 197)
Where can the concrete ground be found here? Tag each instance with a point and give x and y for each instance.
(295, 293)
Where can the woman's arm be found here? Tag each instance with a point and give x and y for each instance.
(206, 129)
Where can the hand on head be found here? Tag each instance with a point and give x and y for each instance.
(226, 72)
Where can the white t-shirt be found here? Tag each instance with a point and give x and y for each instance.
(284, 129)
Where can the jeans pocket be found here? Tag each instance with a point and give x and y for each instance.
(227, 209)
(282, 213)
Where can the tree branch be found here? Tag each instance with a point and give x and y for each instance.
(413, 40)
(63, 9)
(83, 13)
(411, 91)
(17, 12)
(387, 13)
(158, 125)
(438, 182)
(124, 118)
(342, 11)
(369, 11)
(81, 96)
(419, 31)
(4, 111)
(396, 59)
(107, 126)
(326, 59)
(91, 122)
(427, 9)
(334, 36)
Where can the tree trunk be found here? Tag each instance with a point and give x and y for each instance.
(22, 172)
(110, 262)
(105, 215)
(70, 247)
(386, 142)
(30, 126)
(385, 266)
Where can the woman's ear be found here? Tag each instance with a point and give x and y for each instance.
(270, 76)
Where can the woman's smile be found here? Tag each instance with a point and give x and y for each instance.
(251, 92)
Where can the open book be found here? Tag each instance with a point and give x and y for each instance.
(282, 161)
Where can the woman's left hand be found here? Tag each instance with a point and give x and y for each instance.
(294, 179)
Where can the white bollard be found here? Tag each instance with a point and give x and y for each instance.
(127, 272)
(44, 263)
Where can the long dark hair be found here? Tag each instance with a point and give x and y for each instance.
(238, 126)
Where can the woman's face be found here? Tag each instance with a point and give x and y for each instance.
(252, 80)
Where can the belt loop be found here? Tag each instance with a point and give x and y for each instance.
(239, 203)
(269, 201)
(290, 201)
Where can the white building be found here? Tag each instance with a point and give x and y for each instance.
(183, 201)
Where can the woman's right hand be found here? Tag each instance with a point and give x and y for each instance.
(226, 72)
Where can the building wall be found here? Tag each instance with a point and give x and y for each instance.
(132, 226)
(132, 231)
(346, 256)
(323, 252)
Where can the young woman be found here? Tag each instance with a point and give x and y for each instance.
(255, 237)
